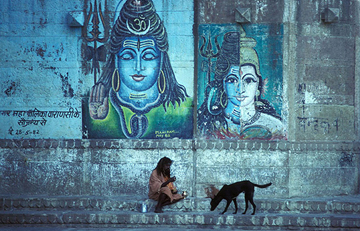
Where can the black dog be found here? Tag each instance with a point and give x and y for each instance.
(230, 192)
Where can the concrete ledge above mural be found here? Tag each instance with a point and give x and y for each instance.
(181, 144)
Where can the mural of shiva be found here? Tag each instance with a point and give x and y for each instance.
(232, 106)
(137, 94)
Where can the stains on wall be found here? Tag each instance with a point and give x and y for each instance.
(40, 50)
(11, 87)
(45, 51)
(347, 159)
(66, 86)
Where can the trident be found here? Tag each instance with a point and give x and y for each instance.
(209, 53)
(97, 54)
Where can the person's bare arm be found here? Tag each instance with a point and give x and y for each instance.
(172, 179)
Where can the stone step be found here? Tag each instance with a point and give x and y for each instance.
(334, 205)
(183, 220)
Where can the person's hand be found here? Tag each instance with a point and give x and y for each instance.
(98, 102)
(170, 180)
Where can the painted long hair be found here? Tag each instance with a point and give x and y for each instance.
(132, 9)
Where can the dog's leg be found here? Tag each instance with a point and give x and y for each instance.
(236, 207)
(249, 197)
(227, 206)
(246, 204)
(253, 204)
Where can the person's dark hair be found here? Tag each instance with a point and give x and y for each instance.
(161, 164)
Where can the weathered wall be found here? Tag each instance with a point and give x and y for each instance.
(43, 66)
(40, 58)
(114, 168)
(325, 53)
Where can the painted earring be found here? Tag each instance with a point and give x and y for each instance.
(257, 94)
(115, 80)
(161, 82)
(221, 100)
(258, 103)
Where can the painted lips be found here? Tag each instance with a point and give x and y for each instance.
(138, 78)
(240, 98)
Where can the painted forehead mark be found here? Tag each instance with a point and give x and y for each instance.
(234, 70)
(138, 44)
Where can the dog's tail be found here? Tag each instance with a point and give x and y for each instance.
(262, 185)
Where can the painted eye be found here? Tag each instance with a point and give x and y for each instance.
(149, 56)
(126, 56)
(249, 80)
(231, 79)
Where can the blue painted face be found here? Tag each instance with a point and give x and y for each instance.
(232, 85)
(139, 63)
(241, 85)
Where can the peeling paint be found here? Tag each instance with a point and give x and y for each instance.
(309, 98)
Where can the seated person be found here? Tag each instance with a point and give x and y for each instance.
(161, 187)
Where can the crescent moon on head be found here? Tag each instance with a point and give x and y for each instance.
(140, 32)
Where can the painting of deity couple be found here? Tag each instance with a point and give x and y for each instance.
(140, 95)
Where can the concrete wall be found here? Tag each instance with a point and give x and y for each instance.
(114, 168)
(42, 67)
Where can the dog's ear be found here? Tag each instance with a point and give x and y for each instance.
(215, 191)
(208, 192)
(211, 191)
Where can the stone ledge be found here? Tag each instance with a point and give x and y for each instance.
(193, 144)
(182, 219)
(333, 205)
